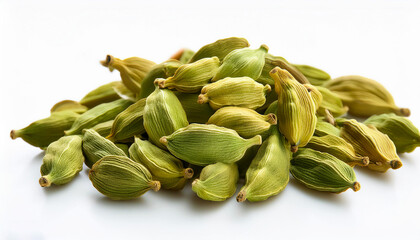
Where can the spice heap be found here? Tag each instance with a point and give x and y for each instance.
(223, 113)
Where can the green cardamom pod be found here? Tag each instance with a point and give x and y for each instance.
(196, 113)
(132, 70)
(183, 55)
(121, 178)
(315, 76)
(400, 130)
(268, 173)
(316, 95)
(96, 147)
(103, 94)
(43, 132)
(339, 148)
(246, 122)
(63, 160)
(245, 161)
(269, 99)
(274, 61)
(162, 70)
(368, 141)
(164, 167)
(103, 128)
(204, 144)
(220, 48)
(365, 97)
(69, 105)
(331, 102)
(323, 128)
(101, 113)
(244, 62)
(240, 92)
(190, 78)
(323, 172)
(129, 122)
(296, 109)
(217, 182)
(125, 147)
(163, 115)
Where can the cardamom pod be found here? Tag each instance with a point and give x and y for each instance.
(315, 95)
(217, 182)
(269, 99)
(190, 78)
(323, 172)
(121, 178)
(331, 102)
(162, 70)
(70, 105)
(220, 48)
(400, 130)
(132, 70)
(164, 167)
(323, 128)
(96, 147)
(183, 55)
(43, 132)
(244, 62)
(204, 144)
(129, 122)
(368, 141)
(275, 61)
(365, 97)
(246, 122)
(296, 109)
(124, 147)
(103, 94)
(240, 92)
(196, 113)
(245, 161)
(315, 76)
(103, 128)
(268, 173)
(63, 160)
(101, 113)
(339, 148)
(163, 115)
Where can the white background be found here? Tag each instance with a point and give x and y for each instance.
(50, 51)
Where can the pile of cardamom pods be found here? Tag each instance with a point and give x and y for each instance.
(223, 113)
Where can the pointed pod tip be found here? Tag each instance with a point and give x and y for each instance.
(188, 173)
(108, 61)
(160, 82)
(356, 186)
(155, 185)
(264, 47)
(365, 161)
(241, 196)
(267, 88)
(163, 140)
(202, 98)
(272, 118)
(14, 134)
(395, 164)
(293, 148)
(195, 182)
(44, 181)
(405, 112)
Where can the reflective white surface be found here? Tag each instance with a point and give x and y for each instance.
(50, 51)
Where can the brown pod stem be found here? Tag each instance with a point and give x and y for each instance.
(44, 181)
(14, 134)
(202, 98)
(155, 185)
(178, 54)
(272, 118)
(395, 164)
(163, 140)
(160, 83)
(108, 61)
(188, 173)
(364, 161)
(404, 112)
(241, 196)
(293, 148)
(356, 186)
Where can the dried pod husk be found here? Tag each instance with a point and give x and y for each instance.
(101, 113)
(323, 128)
(69, 105)
(190, 78)
(331, 102)
(103, 128)
(204, 144)
(103, 94)
(121, 178)
(275, 61)
(322, 172)
(268, 173)
(220, 48)
(246, 122)
(43, 132)
(132, 70)
(164, 167)
(183, 55)
(163, 115)
(129, 122)
(244, 62)
(196, 113)
(63, 160)
(217, 182)
(240, 92)
(339, 148)
(368, 141)
(296, 109)
(96, 147)
(162, 70)
(365, 97)
(315, 95)
(315, 76)
(400, 130)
